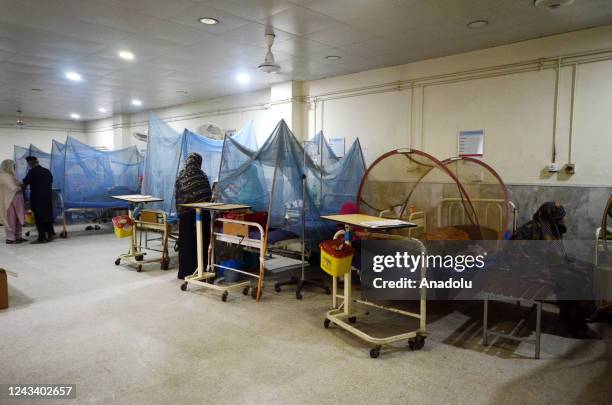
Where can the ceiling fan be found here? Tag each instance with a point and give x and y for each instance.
(19, 123)
(269, 65)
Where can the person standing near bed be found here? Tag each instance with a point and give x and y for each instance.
(12, 210)
(191, 186)
(40, 181)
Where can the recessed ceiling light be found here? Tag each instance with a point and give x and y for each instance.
(243, 78)
(477, 24)
(136, 102)
(333, 57)
(36, 89)
(127, 55)
(208, 20)
(102, 110)
(74, 76)
(182, 91)
(75, 116)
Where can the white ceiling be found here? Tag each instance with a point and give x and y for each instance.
(41, 39)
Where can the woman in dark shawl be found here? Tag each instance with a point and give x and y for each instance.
(569, 276)
(191, 186)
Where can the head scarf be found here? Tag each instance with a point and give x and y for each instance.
(7, 166)
(192, 183)
(550, 217)
(546, 224)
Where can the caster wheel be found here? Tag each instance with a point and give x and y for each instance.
(254, 293)
(224, 296)
(327, 291)
(298, 295)
(245, 291)
(277, 288)
(375, 352)
(97, 228)
(63, 234)
(138, 258)
(139, 268)
(352, 319)
(416, 343)
(184, 286)
(27, 233)
(164, 264)
(117, 262)
(326, 323)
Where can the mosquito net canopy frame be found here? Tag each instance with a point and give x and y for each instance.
(91, 177)
(278, 179)
(408, 183)
(167, 151)
(488, 194)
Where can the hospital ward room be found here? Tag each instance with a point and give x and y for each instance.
(306, 202)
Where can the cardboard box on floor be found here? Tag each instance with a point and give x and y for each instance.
(3, 290)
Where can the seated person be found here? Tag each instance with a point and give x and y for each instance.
(547, 224)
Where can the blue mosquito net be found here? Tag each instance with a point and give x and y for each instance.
(56, 164)
(341, 177)
(21, 165)
(271, 180)
(341, 180)
(211, 149)
(91, 176)
(162, 163)
(167, 150)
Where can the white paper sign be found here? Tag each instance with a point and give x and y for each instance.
(470, 143)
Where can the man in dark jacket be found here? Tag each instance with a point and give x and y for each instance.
(41, 199)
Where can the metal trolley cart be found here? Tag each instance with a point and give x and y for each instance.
(342, 314)
(135, 256)
(205, 274)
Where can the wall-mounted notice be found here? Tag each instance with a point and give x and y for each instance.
(337, 146)
(470, 143)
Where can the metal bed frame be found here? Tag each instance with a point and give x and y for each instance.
(205, 276)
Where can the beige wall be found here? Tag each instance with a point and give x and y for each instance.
(39, 132)
(514, 108)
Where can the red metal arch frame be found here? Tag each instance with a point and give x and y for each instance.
(436, 162)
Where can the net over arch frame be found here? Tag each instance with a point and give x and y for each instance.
(488, 194)
(413, 185)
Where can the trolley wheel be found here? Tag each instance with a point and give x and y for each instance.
(63, 234)
(27, 233)
(139, 258)
(224, 296)
(245, 291)
(375, 352)
(254, 293)
(416, 343)
(326, 323)
(277, 288)
(298, 295)
(327, 291)
(139, 268)
(184, 286)
(117, 262)
(164, 264)
(352, 319)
